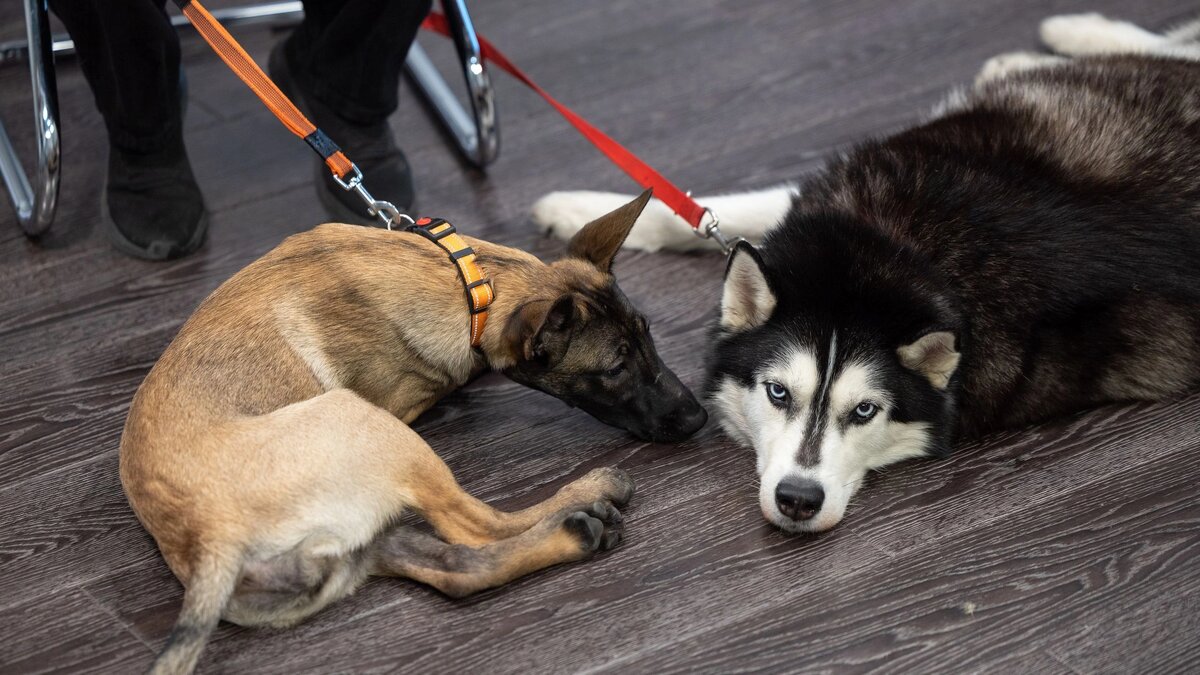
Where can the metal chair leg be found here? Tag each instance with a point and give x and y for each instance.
(477, 136)
(35, 204)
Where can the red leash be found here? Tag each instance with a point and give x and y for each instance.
(645, 175)
(348, 175)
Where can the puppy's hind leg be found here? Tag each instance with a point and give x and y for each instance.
(458, 570)
(1094, 34)
(370, 467)
(460, 518)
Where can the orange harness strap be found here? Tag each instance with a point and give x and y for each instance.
(245, 68)
(477, 285)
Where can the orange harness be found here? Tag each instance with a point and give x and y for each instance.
(477, 285)
(479, 288)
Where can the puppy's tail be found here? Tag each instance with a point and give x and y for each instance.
(748, 214)
(207, 593)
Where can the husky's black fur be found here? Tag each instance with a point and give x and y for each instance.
(1052, 223)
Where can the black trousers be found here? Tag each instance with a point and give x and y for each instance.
(348, 53)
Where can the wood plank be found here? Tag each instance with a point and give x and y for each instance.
(68, 633)
(924, 612)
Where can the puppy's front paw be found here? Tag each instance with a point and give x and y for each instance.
(599, 528)
(606, 483)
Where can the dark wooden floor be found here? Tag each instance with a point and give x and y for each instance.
(1072, 547)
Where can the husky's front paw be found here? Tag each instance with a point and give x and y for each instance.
(565, 213)
(1004, 65)
(1092, 33)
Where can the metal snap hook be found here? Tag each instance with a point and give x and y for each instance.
(386, 211)
(712, 230)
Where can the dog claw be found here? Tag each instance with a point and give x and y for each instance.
(611, 539)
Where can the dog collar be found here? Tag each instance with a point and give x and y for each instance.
(475, 281)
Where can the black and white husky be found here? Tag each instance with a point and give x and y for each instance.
(1032, 250)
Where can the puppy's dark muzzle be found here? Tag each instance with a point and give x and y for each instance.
(679, 424)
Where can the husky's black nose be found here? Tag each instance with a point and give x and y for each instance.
(799, 498)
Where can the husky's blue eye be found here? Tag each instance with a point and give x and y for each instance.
(777, 393)
(865, 411)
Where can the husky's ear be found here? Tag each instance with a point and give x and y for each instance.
(747, 300)
(932, 355)
(540, 331)
(599, 240)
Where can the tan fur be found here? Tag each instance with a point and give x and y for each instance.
(270, 441)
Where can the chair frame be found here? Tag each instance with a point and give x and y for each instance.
(476, 134)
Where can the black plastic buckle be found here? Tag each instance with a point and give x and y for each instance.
(423, 229)
(471, 299)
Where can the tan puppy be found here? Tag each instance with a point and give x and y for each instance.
(268, 451)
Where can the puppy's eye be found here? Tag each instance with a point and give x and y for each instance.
(778, 394)
(615, 370)
(865, 411)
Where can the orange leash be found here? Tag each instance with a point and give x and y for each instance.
(248, 71)
(476, 284)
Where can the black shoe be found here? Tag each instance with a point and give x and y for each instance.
(152, 205)
(386, 173)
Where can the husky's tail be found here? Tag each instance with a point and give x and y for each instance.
(749, 214)
(208, 592)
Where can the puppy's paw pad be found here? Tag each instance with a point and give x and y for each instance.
(612, 538)
(606, 513)
(599, 527)
(588, 530)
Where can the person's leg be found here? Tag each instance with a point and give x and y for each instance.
(343, 66)
(129, 54)
(353, 52)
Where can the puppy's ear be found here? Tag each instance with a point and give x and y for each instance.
(599, 240)
(540, 332)
(932, 355)
(747, 300)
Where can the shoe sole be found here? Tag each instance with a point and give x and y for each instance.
(126, 246)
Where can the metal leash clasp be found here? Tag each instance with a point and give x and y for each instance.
(712, 230)
(385, 211)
